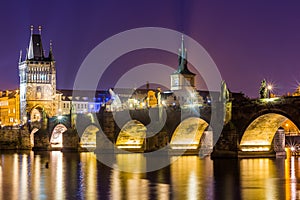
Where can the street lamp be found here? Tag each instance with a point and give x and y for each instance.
(269, 87)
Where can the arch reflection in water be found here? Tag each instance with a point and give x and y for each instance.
(257, 178)
(186, 173)
(57, 174)
(89, 172)
(260, 133)
(80, 176)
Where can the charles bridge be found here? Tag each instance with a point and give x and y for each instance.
(238, 128)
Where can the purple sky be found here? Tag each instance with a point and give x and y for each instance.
(248, 41)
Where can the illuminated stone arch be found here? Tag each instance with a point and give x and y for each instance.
(132, 135)
(88, 137)
(188, 133)
(56, 140)
(259, 134)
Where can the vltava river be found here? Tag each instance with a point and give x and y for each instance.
(56, 175)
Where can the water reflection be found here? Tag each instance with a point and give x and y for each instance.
(259, 178)
(27, 175)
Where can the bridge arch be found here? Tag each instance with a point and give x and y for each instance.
(132, 135)
(89, 137)
(259, 133)
(56, 140)
(188, 133)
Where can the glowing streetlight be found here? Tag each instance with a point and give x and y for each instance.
(269, 87)
(59, 117)
(293, 149)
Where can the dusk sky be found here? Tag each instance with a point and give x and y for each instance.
(248, 40)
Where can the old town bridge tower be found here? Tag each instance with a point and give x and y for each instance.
(37, 74)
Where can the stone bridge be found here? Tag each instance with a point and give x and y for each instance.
(139, 130)
(240, 128)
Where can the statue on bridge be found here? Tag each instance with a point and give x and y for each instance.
(224, 97)
(263, 90)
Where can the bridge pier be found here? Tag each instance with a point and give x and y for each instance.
(41, 140)
(70, 140)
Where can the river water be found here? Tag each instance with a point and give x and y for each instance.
(57, 175)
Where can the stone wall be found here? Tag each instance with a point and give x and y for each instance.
(14, 139)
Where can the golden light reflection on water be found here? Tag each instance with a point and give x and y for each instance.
(131, 162)
(129, 185)
(57, 171)
(186, 173)
(258, 179)
(81, 176)
(36, 176)
(163, 191)
(292, 174)
(15, 176)
(24, 176)
(89, 169)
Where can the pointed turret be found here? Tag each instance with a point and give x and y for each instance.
(182, 65)
(35, 48)
(51, 57)
(20, 58)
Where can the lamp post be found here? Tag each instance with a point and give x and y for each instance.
(269, 87)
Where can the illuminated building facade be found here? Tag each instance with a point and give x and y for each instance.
(9, 107)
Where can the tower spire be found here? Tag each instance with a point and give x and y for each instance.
(51, 57)
(183, 49)
(20, 58)
(40, 30)
(182, 60)
(31, 29)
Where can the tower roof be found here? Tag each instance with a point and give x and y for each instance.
(182, 60)
(35, 49)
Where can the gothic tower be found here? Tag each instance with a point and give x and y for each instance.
(182, 77)
(37, 80)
